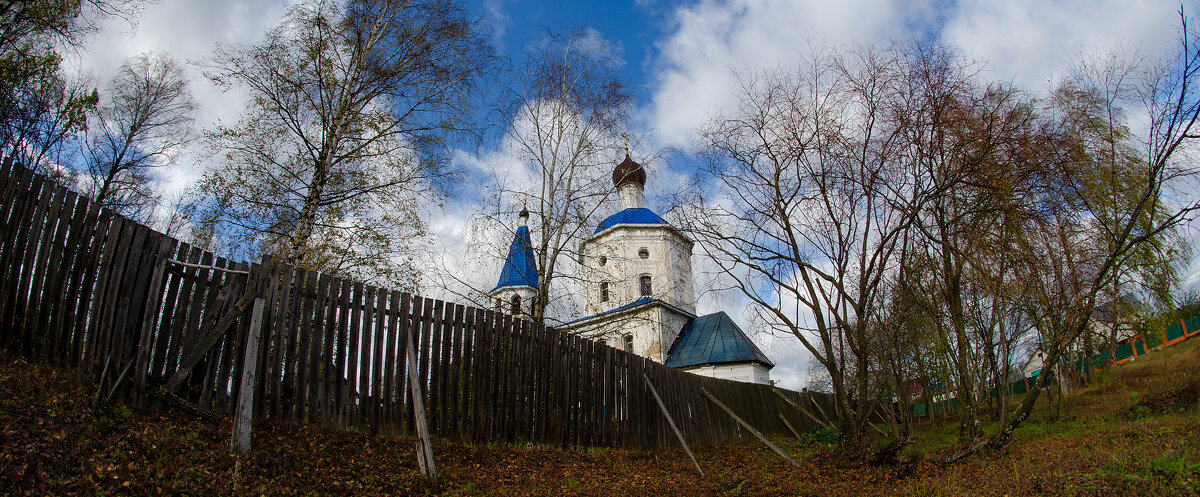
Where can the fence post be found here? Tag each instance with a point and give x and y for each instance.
(810, 415)
(671, 421)
(424, 449)
(243, 413)
(789, 425)
(751, 428)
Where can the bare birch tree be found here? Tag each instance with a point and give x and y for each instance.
(969, 139)
(351, 106)
(815, 198)
(145, 117)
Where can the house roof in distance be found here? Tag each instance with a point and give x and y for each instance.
(636, 215)
(520, 267)
(713, 339)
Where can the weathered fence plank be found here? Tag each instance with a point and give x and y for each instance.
(310, 344)
(291, 362)
(27, 248)
(390, 365)
(74, 210)
(380, 318)
(243, 415)
(150, 320)
(433, 392)
(42, 300)
(404, 329)
(230, 340)
(16, 204)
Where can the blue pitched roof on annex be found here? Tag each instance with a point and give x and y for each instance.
(520, 267)
(713, 339)
(636, 303)
(633, 215)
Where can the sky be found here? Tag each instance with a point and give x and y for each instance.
(679, 57)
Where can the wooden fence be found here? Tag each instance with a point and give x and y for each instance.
(154, 318)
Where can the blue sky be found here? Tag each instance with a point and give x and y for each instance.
(679, 57)
(632, 25)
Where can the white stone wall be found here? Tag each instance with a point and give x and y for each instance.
(505, 295)
(654, 328)
(747, 372)
(668, 263)
(630, 195)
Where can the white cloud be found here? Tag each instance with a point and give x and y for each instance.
(1031, 42)
(187, 30)
(713, 39)
(1025, 41)
(498, 19)
(467, 250)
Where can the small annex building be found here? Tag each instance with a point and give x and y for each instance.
(713, 345)
(639, 294)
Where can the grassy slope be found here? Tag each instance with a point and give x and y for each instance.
(1105, 445)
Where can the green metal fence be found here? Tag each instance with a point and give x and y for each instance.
(1131, 348)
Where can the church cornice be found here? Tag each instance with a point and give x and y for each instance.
(617, 229)
(629, 308)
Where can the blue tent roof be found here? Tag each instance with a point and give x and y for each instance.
(520, 267)
(635, 215)
(713, 339)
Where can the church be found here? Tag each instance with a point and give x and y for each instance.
(639, 293)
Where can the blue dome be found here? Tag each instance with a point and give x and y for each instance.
(520, 267)
(636, 215)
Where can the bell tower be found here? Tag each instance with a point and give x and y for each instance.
(637, 273)
(518, 285)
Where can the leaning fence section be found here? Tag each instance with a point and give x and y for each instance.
(158, 320)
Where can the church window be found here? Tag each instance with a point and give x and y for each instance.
(644, 253)
(629, 342)
(516, 305)
(644, 285)
(604, 292)
(603, 260)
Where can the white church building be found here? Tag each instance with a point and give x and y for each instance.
(639, 292)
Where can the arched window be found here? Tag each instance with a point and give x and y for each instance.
(516, 305)
(644, 285)
(629, 342)
(604, 292)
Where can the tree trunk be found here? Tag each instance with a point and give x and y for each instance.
(308, 215)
